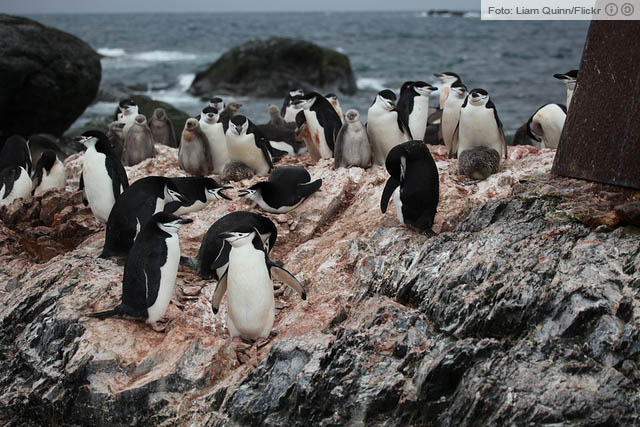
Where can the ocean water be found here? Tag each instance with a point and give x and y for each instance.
(159, 54)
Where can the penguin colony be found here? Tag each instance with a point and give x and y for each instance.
(143, 219)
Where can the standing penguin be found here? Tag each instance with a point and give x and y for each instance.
(133, 209)
(545, 125)
(413, 108)
(103, 177)
(15, 152)
(478, 140)
(414, 185)
(217, 103)
(214, 131)
(194, 156)
(229, 112)
(162, 128)
(286, 189)
(128, 113)
(150, 271)
(384, 125)
(447, 78)
(275, 119)
(198, 191)
(213, 256)
(335, 103)
(322, 120)
(570, 79)
(48, 174)
(249, 287)
(14, 184)
(352, 144)
(289, 109)
(247, 145)
(115, 134)
(451, 112)
(138, 142)
(304, 135)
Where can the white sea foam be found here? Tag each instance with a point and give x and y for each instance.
(370, 83)
(111, 52)
(184, 81)
(163, 56)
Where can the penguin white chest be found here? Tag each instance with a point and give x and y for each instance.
(290, 113)
(548, 123)
(168, 274)
(217, 144)
(251, 306)
(419, 117)
(243, 149)
(21, 189)
(397, 203)
(450, 117)
(97, 184)
(383, 131)
(478, 128)
(55, 178)
(317, 134)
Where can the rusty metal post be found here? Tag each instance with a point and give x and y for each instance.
(601, 137)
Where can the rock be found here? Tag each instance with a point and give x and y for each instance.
(49, 78)
(521, 311)
(272, 67)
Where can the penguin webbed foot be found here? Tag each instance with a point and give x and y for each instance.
(162, 325)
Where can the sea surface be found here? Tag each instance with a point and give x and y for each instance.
(159, 54)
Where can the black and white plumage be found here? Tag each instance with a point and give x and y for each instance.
(14, 184)
(447, 78)
(103, 177)
(213, 255)
(479, 130)
(282, 140)
(247, 145)
(413, 107)
(197, 191)
(214, 130)
(545, 125)
(248, 284)
(289, 109)
(134, 208)
(413, 184)
(286, 189)
(48, 174)
(335, 103)
(570, 80)
(150, 271)
(322, 121)
(451, 112)
(217, 103)
(385, 126)
(128, 113)
(15, 152)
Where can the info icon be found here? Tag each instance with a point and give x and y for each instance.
(611, 9)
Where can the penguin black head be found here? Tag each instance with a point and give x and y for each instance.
(216, 100)
(569, 75)
(296, 92)
(96, 137)
(171, 192)
(128, 106)
(238, 238)
(387, 99)
(331, 96)
(170, 223)
(447, 77)
(306, 100)
(478, 97)
(423, 88)
(239, 124)
(126, 103)
(213, 190)
(211, 113)
(47, 160)
(405, 87)
(459, 89)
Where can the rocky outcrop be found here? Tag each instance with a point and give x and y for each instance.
(48, 78)
(275, 66)
(523, 309)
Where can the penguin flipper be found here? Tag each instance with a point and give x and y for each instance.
(282, 275)
(118, 175)
(8, 178)
(403, 124)
(221, 289)
(338, 148)
(453, 151)
(171, 207)
(389, 188)
(121, 310)
(308, 188)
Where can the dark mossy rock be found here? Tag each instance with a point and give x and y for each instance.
(272, 67)
(48, 78)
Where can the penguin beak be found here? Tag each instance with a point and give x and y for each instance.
(245, 192)
(221, 194)
(184, 221)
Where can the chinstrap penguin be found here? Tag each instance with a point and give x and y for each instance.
(133, 209)
(14, 184)
(217, 103)
(570, 80)
(128, 113)
(451, 112)
(352, 144)
(384, 125)
(286, 189)
(194, 155)
(138, 142)
(15, 152)
(214, 131)
(247, 145)
(289, 109)
(48, 174)
(447, 78)
(150, 271)
(322, 120)
(197, 191)
(413, 184)
(103, 178)
(413, 108)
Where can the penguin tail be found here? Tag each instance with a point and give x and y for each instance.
(191, 263)
(109, 313)
(307, 189)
